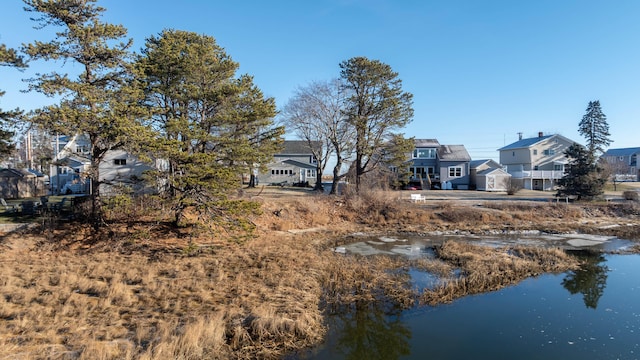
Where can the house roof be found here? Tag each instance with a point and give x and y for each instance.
(74, 161)
(299, 164)
(490, 162)
(20, 173)
(299, 147)
(453, 153)
(431, 143)
(525, 143)
(494, 171)
(622, 151)
(36, 172)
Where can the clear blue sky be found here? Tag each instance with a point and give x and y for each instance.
(480, 71)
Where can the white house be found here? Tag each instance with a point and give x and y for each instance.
(536, 163)
(119, 170)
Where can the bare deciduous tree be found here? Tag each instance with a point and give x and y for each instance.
(316, 113)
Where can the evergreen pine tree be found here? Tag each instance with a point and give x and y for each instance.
(376, 107)
(99, 102)
(8, 57)
(212, 126)
(595, 129)
(584, 179)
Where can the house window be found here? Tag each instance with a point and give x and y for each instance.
(312, 160)
(455, 171)
(82, 149)
(513, 153)
(119, 161)
(311, 173)
(535, 167)
(281, 172)
(621, 158)
(424, 153)
(549, 152)
(535, 151)
(558, 167)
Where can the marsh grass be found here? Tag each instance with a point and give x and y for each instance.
(142, 289)
(256, 301)
(484, 269)
(348, 280)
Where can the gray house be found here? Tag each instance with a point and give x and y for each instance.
(439, 166)
(295, 164)
(623, 163)
(453, 163)
(536, 163)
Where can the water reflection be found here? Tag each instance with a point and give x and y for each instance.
(589, 280)
(368, 333)
(532, 320)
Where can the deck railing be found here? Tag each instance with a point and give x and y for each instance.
(537, 174)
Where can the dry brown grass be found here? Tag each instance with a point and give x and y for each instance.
(143, 290)
(486, 269)
(350, 279)
(255, 301)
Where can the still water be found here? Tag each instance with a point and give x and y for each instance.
(591, 313)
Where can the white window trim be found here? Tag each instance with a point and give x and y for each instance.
(431, 153)
(456, 170)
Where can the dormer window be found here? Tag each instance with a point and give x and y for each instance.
(424, 153)
(119, 161)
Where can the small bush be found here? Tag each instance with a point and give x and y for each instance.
(630, 195)
(513, 188)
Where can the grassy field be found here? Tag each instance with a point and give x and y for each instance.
(144, 290)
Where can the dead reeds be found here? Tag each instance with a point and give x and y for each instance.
(254, 301)
(484, 269)
(146, 291)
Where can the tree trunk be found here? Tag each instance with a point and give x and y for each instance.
(336, 177)
(318, 186)
(97, 219)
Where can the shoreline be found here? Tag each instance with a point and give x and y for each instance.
(147, 290)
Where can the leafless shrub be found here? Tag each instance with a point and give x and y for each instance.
(630, 195)
(513, 187)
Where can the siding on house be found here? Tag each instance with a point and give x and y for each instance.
(20, 183)
(536, 163)
(434, 164)
(483, 178)
(121, 172)
(295, 163)
(623, 163)
(453, 161)
(493, 179)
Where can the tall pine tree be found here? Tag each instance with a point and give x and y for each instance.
(100, 101)
(376, 107)
(595, 129)
(213, 127)
(8, 57)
